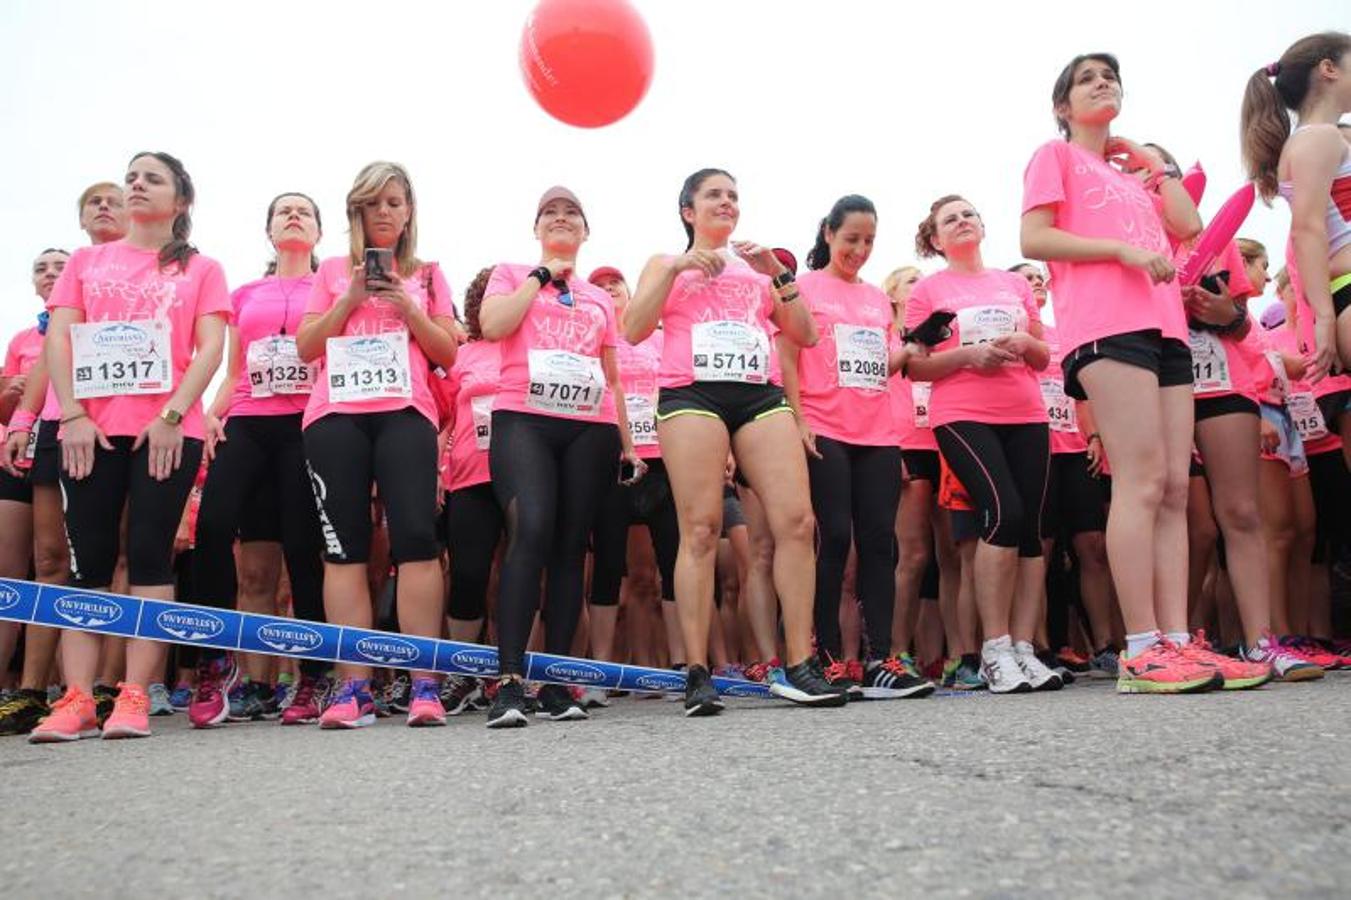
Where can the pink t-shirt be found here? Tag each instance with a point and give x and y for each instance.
(638, 367)
(1333, 383)
(551, 363)
(473, 384)
(1092, 199)
(1219, 367)
(117, 282)
(910, 412)
(719, 329)
(843, 381)
(987, 304)
(1301, 398)
(24, 350)
(1060, 407)
(376, 317)
(265, 309)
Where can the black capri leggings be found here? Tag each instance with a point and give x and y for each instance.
(93, 507)
(650, 503)
(473, 530)
(855, 492)
(262, 456)
(1004, 470)
(549, 475)
(346, 451)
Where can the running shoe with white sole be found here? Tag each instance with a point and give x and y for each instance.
(424, 704)
(1286, 665)
(1039, 675)
(459, 693)
(353, 706)
(210, 701)
(399, 693)
(181, 698)
(1238, 674)
(594, 698)
(701, 697)
(837, 674)
(130, 717)
(72, 717)
(508, 709)
(1162, 669)
(999, 667)
(559, 704)
(1106, 663)
(892, 679)
(160, 703)
(304, 707)
(806, 683)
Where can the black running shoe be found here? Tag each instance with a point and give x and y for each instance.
(399, 693)
(701, 697)
(805, 683)
(104, 698)
(459, 693)
(1048, 659)
(21, 713)
(508, 709)
(557, 703)
(891, 679)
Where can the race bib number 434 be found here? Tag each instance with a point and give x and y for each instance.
(120, 358)
(368, 367)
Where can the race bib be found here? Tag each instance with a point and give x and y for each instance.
(861, 354)
(121, 358)
(642, 419)
(367, 367)
(1210, 365)
(982, 324)
(566, 383)
(1059, 406)
(920, 392)
(481, 408)
(275, 367)
(730, 351)
(1308, 417)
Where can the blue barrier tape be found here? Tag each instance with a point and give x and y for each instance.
(204, 626)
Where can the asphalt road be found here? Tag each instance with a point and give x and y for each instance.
(1081, 793)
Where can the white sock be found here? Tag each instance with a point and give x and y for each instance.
(1181, 638)
(994, 646)
(1139, 643)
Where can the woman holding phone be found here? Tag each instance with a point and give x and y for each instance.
(559, 425)
(377, 320)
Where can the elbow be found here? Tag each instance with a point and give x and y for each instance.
(1190, 227)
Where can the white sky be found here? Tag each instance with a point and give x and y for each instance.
(802, 100)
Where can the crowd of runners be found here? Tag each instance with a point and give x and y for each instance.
(720, 462)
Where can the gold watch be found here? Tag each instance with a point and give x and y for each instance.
(171, 416)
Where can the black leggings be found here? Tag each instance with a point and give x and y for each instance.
(650, 503)
(855, 492)
(93, 507)
(397, 450)
(473, 530)
(1004, 470)
(549, 475)
(261, 456)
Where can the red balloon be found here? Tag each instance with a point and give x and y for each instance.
(587, 62)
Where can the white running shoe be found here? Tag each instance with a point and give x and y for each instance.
(1037, 672)
(999, 667)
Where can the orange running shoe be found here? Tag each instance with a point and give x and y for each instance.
(1163, 669)
(1239, 675)
(131, 714)
(72, 717)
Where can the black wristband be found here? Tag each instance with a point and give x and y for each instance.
(783, 279)
(542, 275)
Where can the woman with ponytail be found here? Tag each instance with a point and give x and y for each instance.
(1311, 169)
(839, 389)
(256, 452)
(131, 422)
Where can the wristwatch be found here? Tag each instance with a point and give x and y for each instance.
(171, 416)
(783, 279)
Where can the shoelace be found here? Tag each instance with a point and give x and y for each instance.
(304, 693)
(835, 671)
(131, 699)
(208, 683)
(894, 666)
(426, 689)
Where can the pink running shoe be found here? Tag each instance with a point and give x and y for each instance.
(1163, 669)
(1238, 674)
(759, 671)
(304, 708)
(210, 701)
(425, 708)
(131, 713)
(352, 707)
(1308, 650)
(72, 717)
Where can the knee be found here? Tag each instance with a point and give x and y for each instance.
(257, 575)
(1239, 515)
(799, 526)
(915, 556)
(1173, 493)
(51, 556)
(835, 533)
(1091, 548)
(1006, 529)
(699, 537)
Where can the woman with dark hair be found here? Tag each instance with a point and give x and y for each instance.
(839, 390)
(474, 525)
(719, 389)
(1311, 169)
(257, 462)
(1106, 233)
(988, 417)
(560, 428)
(131, 419)
(371, 422)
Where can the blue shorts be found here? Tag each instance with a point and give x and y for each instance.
(1291, 449)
